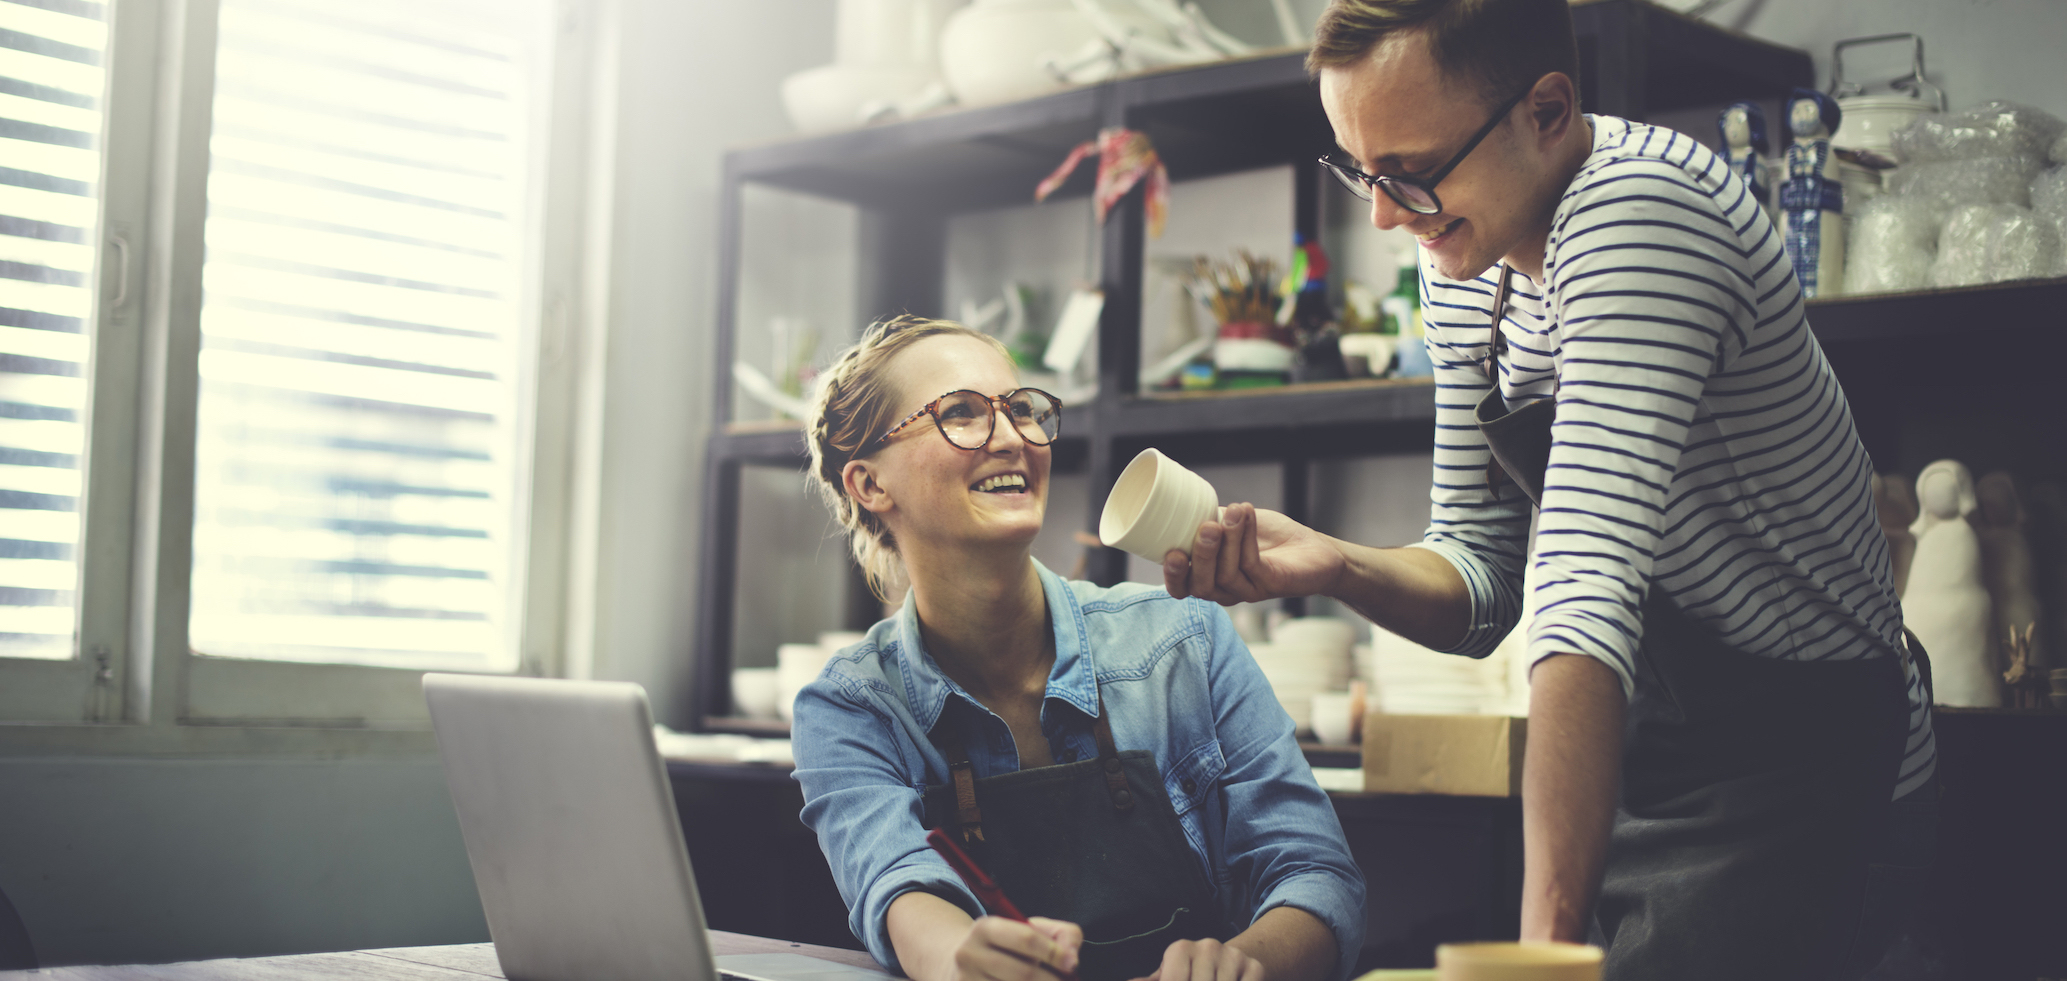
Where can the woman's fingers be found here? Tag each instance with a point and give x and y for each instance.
(998, 949)
(1067, 936)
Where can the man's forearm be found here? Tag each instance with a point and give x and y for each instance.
(1570, 779)
(1412, 592)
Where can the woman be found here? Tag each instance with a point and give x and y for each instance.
(1112, 757)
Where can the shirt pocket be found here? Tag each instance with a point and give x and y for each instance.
(1190, 779)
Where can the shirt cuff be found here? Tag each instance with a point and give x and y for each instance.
(1494, 612)
(1331, 901)
(871, 919)
(1567, 632)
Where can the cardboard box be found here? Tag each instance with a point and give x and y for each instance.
(1473, 755)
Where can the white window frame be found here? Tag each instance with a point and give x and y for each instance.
(135, 683)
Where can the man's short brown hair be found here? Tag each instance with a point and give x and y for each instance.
(1500, 46)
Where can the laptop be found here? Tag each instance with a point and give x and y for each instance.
(571, 830)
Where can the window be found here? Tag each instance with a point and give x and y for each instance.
(276, 432)
(356, 454)
(51, 83)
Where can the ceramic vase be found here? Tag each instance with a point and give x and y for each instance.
(886, 52)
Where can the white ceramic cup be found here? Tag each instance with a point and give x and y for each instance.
(754, 691)
(1517, 962)
(1156, 506)
(1332, 723)
(796, 665)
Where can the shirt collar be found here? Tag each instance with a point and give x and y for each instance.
(1073, 679)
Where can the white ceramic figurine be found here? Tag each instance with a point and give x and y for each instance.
(1946, 604)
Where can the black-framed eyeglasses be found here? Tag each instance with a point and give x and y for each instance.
(1416, 194)
(968, 419)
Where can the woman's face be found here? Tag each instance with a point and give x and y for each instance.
(943, 495)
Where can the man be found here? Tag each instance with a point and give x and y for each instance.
(1718, 644)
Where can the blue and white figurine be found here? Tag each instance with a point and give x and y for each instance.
(1812, 197)
(1743, 129)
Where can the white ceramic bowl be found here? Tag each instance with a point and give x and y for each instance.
(993, 50)
(830, 97)
(1870, 121)
(1252, 354)
(1156, 506)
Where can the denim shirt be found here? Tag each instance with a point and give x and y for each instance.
(1177, 680)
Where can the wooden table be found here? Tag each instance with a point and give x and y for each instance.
(459, 962)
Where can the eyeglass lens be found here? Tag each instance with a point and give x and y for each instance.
(966, 418)
(1412, 197)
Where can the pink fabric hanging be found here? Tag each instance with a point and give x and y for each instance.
(1124, 157)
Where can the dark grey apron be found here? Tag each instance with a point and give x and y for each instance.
(1095, 843)
(1752, 787)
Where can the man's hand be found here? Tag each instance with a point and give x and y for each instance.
(1206, 960)
(998, 949)
(1254, 555)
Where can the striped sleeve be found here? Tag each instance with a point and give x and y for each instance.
(1648, 298)
(1483, 535)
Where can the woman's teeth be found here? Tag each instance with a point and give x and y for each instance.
(1010, 481)
(1440, 232)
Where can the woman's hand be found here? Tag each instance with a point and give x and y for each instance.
(1207, 960)
(1254, 555)
(998, 949)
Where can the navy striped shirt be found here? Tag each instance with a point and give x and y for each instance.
(1702, 443)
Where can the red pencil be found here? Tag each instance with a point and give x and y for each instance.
(979, 882)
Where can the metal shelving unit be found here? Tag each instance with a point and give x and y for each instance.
(908, 178)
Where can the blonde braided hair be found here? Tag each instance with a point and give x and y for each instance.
(857, 400)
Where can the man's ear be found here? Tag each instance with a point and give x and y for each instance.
(860, 479)
(1553, 108)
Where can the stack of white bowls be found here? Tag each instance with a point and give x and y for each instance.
(1409, 679)
(1305, 657)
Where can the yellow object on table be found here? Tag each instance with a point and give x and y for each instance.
(1409, 975)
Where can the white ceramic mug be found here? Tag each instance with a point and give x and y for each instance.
(1517, 962)
(1156, 506)
(754, 692)
(1332, 719)
(796, 665)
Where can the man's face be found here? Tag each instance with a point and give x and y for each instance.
(1397, 115)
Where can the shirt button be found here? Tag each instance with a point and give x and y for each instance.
(1112, 764)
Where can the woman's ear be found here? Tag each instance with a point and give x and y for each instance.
(859, 478)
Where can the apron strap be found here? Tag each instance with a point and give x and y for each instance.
(968, 818)
(1109, 761)
(1490, 364)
